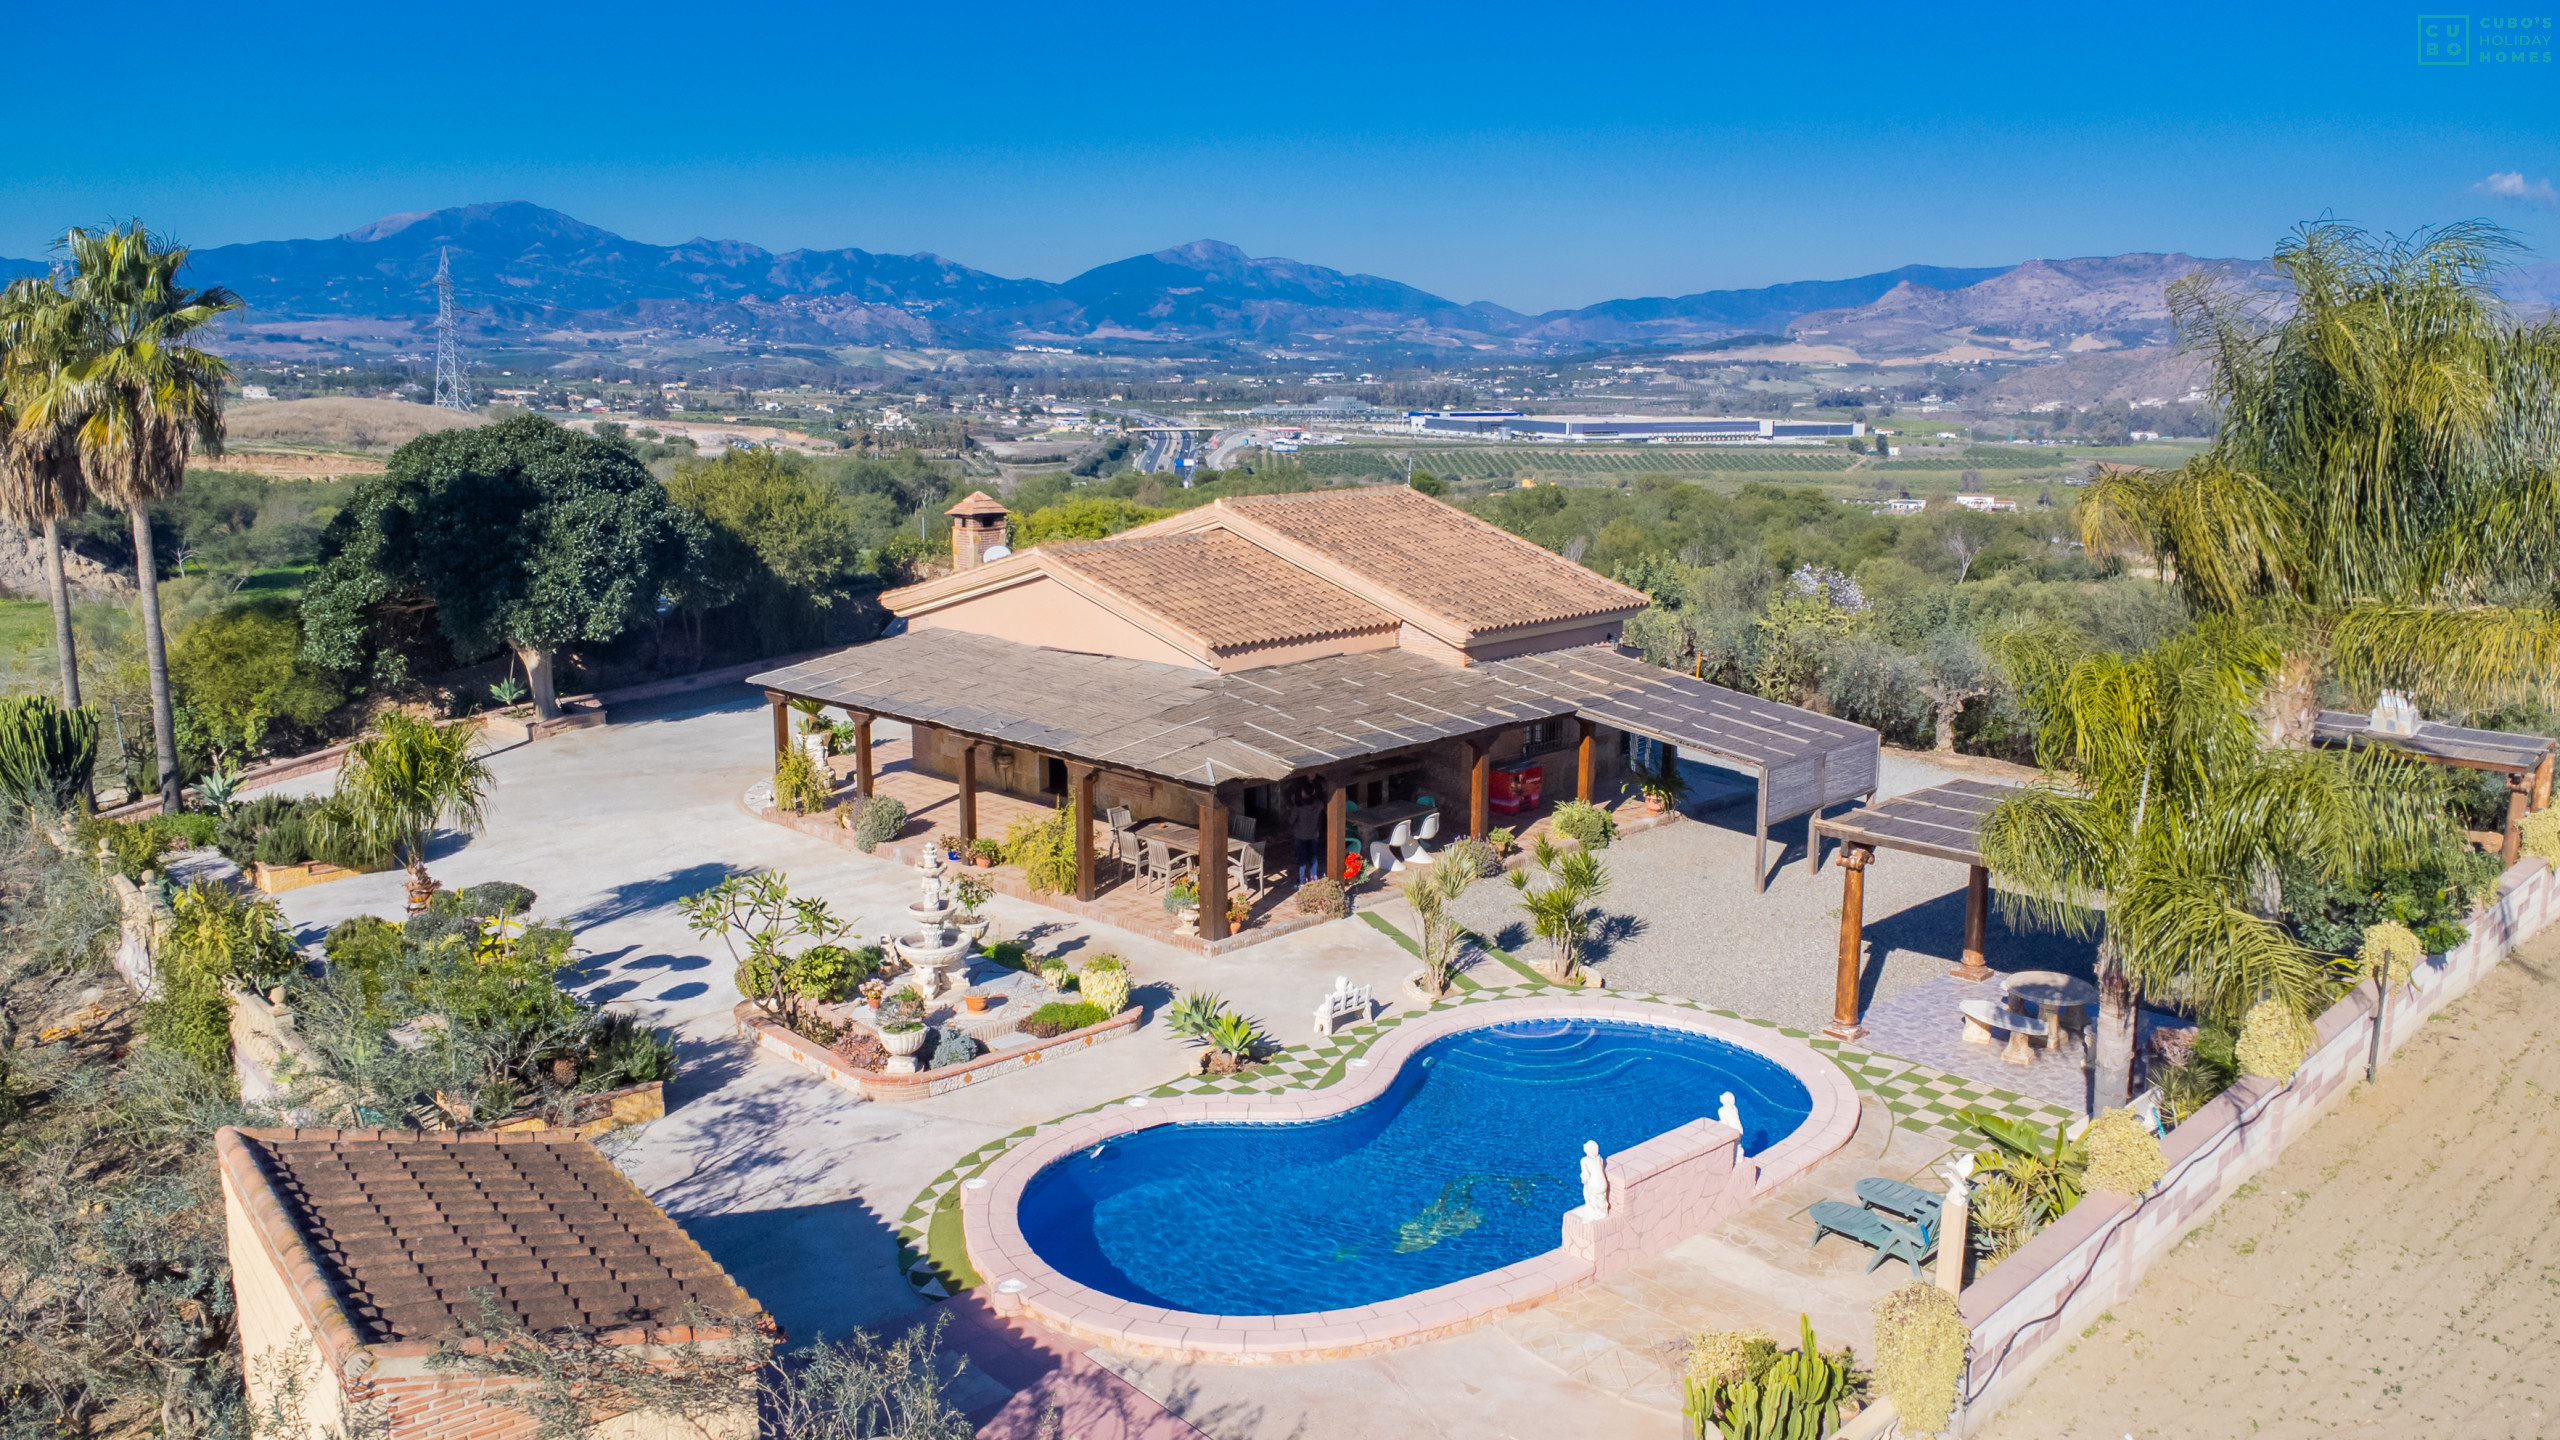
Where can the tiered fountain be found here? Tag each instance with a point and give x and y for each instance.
(936, 948)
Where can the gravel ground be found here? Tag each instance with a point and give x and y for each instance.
(1680, 917)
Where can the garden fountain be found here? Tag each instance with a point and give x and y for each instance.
(936, 948)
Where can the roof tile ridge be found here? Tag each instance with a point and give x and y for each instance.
(1243, 524)
(238, 1153)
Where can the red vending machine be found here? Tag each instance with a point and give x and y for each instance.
(1516, 785)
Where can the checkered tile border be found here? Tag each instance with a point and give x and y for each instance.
(1921, 1099)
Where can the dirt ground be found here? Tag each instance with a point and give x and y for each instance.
(2397, 1273)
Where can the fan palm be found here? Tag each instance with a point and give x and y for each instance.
(2162, 817)
(2384, 483)
(40, 481)
(145, 398)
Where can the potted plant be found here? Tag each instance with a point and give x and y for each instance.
(902, 1030)
(985, 853)
(1239, 912)
(1182, 902)
(948, 844)
(1662, 785)
(969, 892)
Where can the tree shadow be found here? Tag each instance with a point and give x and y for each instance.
(639, 897)
(1934, 929)
(1608, 934)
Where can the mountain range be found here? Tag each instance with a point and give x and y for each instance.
(533, 275)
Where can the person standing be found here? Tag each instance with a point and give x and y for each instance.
(1306, 822)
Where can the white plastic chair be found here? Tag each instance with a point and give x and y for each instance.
(1382, 859)
(1415, 851)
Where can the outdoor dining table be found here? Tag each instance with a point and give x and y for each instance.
(1375, 820)
(1181, 838)
(2054, 996)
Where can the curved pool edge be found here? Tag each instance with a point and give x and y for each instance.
(999, 1251)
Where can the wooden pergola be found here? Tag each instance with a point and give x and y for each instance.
(2524, 759)
(1941, 822)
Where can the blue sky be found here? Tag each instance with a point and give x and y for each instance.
(1536, 156)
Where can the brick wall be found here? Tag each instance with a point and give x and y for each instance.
(2028, 1308)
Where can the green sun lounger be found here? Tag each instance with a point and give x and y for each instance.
(1890, 1239)
(1908, 1201)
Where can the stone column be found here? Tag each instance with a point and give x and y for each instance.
(1853, 898)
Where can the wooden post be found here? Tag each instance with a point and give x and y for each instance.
(1213, 867)
(2519, 789)
(1760, 849)
(1951, 1227)
(968, 791)
(1582, 765)
(781, 704)
(2542, 784)
(1335, 822)
(1812, 836)
(1080, 785)
(1479, 788)
(1977, 909)
(1853, 899)
(862, 756)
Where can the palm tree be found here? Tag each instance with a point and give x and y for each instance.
(147, 398)
(2162, 816)
(40, 481)
(1561, 911)
(2384, 482)
(399, 785)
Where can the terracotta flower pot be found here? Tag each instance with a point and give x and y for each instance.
(983, 862)
(977, 1003)
(1653, 804)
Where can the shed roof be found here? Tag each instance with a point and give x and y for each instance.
(2501, 750)
(405, 1227)
(1942, 821)
(978, 503)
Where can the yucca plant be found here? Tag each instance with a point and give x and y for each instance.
(1561, 910)
(1431, 890)
(46, 752)
(401, 784)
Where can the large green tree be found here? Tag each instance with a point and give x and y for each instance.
(2386, 483)
(520, 535)
(777, 538)
(2162, 817)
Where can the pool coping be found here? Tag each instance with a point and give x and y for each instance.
(1023, 1283)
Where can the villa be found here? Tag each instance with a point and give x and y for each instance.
(1205, 680)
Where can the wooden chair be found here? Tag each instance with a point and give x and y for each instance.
(1241, 827)
(1908, 1201)
(1125, 849)
(1890, 1239)
(1163, 866)
(1247, 868)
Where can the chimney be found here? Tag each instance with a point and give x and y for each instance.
(977, 527)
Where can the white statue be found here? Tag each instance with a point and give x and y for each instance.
(1727, 1113)
(930, 867)
(1595, 1181)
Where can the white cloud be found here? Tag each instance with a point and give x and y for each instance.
(2511, 185)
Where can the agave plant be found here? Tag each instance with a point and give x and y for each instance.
(1233, 1036)
(1192, 1016)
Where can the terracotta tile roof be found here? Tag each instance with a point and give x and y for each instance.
(1221, 588)
(407, 1226)
(978, 503)
(1435, 556)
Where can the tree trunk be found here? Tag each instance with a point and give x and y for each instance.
(1947, 727)
(537, 677)
(164, 723)
(63, 647)
(2291, 702)
(2111, 1043)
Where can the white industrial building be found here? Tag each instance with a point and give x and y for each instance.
(1516, 425)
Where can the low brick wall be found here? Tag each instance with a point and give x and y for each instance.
(1679, 1183)
(822, 1062)
(2029, 1307)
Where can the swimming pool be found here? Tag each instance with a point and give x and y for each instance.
(1464, 1163)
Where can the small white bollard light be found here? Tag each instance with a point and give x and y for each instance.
(1012, 1285)
(974, 1182)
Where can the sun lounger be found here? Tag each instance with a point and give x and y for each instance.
(1908, 1201)
(1890, 1239)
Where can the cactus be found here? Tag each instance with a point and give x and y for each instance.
(46, 752)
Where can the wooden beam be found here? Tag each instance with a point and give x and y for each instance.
(968, 791)
(2542, 784)
(1853, 899)
(862, 777)
(1582, 764)
(1080, 785)
(781, 704)
(1213, 867)
(1479, 787)
(1977, 909)
(2519, 794)
(1813, 820)
(1334, 823)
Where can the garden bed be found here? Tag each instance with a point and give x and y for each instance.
(277, 879)
(593, 1115)
(824, 1063)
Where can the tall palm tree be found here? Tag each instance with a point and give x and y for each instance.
(2161, 818)
(40, 481)
(2387, 479)
(148, 397)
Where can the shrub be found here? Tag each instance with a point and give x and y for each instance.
(829, 973)
(1324, 897)
(1920, 1345)
(622, 1051)
(877, 818)
(1060, 1016)
(1106, 987)
(1501, 838)
(969, 893)
(1045, 852)
(1588, 825)
(1011, 954)
(2205, 1070)
(2540, 834)
(798, 786)
(955, 1047)
(244, 670)
(2124, 1156)
(1784, 1394)
(46, 752)
(1728, 1354)
(217, 938)
(2391, 950)
(1471, 857)
(2271, 1042)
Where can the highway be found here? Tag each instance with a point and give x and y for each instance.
(1169, 441)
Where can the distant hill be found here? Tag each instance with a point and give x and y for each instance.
(527, 273)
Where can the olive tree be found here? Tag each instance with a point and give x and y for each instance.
(519, 535)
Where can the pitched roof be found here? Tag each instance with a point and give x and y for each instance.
(405, 1227)
(978, 503)
(1417, 554)
(1219, 588)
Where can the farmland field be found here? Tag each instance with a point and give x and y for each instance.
(1615, 462)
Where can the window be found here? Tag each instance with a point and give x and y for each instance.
(1538, 734)
(1053, 775)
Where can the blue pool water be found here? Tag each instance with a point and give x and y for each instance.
(1467, 1163)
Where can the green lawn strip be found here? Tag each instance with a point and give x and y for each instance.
(1527, 971)
(1457, 982)
(947, 1247)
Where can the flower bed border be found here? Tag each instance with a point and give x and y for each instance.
(2031, 1306)
(800, 1050)
(1660, 1193)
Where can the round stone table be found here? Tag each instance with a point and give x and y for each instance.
(2055, 997)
